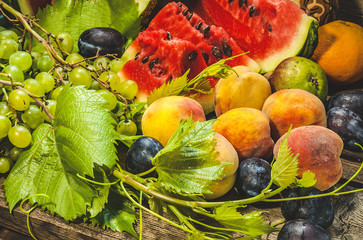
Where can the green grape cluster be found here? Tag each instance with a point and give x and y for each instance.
(31, 81)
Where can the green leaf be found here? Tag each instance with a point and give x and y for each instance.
(251, 224)
(82, 135)
(284, 169)
(119, 214)
(307, 180)
(188, 164)
(76, 16)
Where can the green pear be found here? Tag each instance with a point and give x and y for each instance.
(301, 73)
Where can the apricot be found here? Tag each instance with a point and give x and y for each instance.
(226, 153)
(248, 130)
(244, 88)
(294, 107)
(319, 150)
(221, 187)
(162, 117)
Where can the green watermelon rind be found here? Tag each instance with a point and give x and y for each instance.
(303, 44)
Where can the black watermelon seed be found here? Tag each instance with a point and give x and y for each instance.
(137, 56)
(153, 62)
(190, 16)
(252, 11)
(205, 31)
(199, 25)
(192, 56)
(145, 59)
(168, 35)
(269, 28)
(227, 50)
(229, 1)
(180, 5)
(217, 52)
(185, 12)
(206, 57)
(241, 2)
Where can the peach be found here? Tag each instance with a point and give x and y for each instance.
(162, 117)
(319, 150)
(226, 153)
(248, 130)
(294, 107)
(243, 88)
(221, 187)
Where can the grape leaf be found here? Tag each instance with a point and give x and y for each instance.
(251, 224)
(76, 16)
(188, 164)
(118, 214)
(285, 167)
(307, 180)
(82, 135)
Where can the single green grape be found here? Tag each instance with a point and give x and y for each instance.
(5, 125)
(8, 34)
(44, 63)
(95, 85)
(21, 59)
(51, 105)
(116, 65)
(110, 77)
(126, 127)
(14, 153)
(101, 63)
(34, 87)
(128, 89)
(9, 46)
(56, 92)
(19, 100)
(75, 58)
(47, 80)
(33, 116)
(5, 164)
(80, 76)
(16, 74)
(4, 109)
(65, 42)
(19, 136)
(109, 97)
(35, 57)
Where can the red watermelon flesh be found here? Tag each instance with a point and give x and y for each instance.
(214, 42)
(160, 59)
(270, 29)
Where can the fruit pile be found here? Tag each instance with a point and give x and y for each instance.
(228, 98)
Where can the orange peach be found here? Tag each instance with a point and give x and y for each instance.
(221, 187)
(226, 153)
(294, 107)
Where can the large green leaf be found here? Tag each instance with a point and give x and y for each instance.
(76, 16)
(82, 135)
(188, 164)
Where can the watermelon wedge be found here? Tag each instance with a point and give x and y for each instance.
(271, 30)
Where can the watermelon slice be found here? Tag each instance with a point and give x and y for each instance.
(214, 42)
(271, 30)
(158, 58)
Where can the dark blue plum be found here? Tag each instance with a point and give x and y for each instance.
(100, 40)
(139, 154)
(351, 99)
(301, 229)
(317, 210)
(253, 175)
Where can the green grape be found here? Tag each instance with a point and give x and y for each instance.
(116, 65)
(51, 105)
(75, 58)
(21, 59)
(109, 97)
(9, 46)
(20, 136)
(44, 63)
(56, 92)
(15, 73)
(47, 80)
(19, 100)
(35, 87)
(35, 57)
(110, 78)
(5, 165)
(126, 127)
(95, 85)
(101, 63)
(8, 34)
(92, 70)
(1, 52)
(4, 109)
(128, 89)
(5, 125)
(65, 42)
(14, 153)
(80, 76)
(33, 117)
